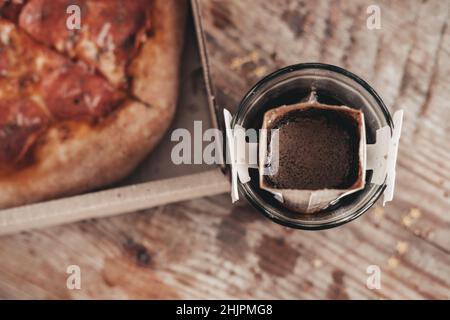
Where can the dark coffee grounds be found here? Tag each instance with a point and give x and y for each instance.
(318, 149)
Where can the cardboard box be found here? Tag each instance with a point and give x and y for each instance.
(157, 181)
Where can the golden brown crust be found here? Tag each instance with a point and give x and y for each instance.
(96, 155)
(154, 69)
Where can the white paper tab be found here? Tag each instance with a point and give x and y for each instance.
(392, 159)
(377, 155)
(231, 157)
(382, 156)
(241, 155)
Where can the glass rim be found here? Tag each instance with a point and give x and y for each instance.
(283, 71)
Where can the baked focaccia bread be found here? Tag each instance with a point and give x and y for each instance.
(80, 107)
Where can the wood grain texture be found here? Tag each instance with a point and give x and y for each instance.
(208, 248)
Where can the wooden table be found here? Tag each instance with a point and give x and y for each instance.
(207, 248)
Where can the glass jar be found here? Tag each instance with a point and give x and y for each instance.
(334, 86)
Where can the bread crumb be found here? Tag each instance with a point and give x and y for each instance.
(317, 263)
(379, 213)
(402, 247)
(260, 71)
(238, 62)
(393, 263)
(415, 213)
(407, 221)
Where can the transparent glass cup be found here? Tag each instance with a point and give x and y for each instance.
(334, 86)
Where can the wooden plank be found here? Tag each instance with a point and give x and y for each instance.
(207, 248)
(113, 201)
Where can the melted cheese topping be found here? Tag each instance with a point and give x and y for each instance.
(39, 87)
(111, 34)
(4, 34)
